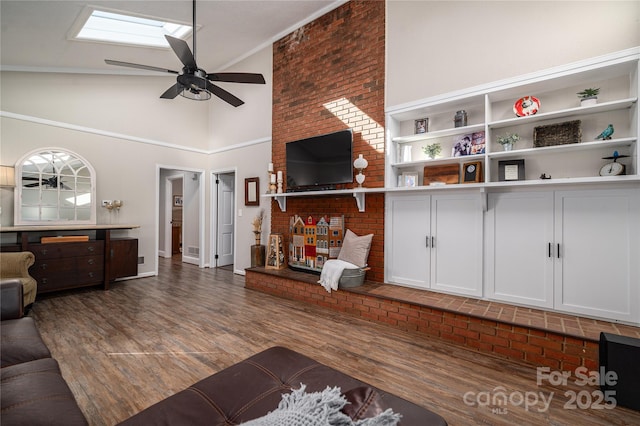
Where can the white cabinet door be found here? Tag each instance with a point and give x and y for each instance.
(597, 267)
(406, 234)
(456, 246)
(519, 248)
(435, 242)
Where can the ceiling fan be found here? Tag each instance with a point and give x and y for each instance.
(51, 182)
(193, 82)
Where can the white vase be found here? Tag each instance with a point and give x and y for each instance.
(406, 153)
(588, 101)
(508, 146)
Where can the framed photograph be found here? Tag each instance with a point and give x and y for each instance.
(422, 125)
(177, 200)
(462, 145)
(477, 143)
(410, 179)
(251, 191)
(510, 170)
(472, 172)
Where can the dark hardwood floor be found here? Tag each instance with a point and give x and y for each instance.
(124, 349)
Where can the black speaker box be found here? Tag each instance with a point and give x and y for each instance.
(621, 354)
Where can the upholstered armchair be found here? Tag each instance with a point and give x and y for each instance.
(16, 266)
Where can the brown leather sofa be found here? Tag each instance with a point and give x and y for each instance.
(254, 387)
(32, 389)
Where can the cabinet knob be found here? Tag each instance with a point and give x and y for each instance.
(91, 248)
(44, 251)
(43, 281)
(90, 261)
(43, 266)
(90, 274)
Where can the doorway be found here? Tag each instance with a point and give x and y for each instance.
(224, 233)
(181, 214)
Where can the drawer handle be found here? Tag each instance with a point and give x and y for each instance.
(43, 266)
(90, 261)
(91, 248)
(90, 274)
(44, 251)
(43, 280)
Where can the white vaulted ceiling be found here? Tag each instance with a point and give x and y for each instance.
(34, 34)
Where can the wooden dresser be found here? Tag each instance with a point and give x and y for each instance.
(63, 265)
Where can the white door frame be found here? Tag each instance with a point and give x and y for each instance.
(201, 212)
(214, 213)
(168, 211)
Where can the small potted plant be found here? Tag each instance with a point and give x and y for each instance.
(508, 140)
(588, 96)
(432, 150)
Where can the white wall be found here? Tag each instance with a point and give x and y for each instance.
(251, 121)
(130, 105)
(125, 169)
(435, 47)
(246, 129)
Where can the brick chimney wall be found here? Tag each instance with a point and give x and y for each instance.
(327, 76)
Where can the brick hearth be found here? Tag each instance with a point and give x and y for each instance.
(559, 341)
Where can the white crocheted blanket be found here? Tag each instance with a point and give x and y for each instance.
(318, 409)
(332, 271)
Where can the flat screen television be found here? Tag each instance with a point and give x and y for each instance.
(320, 162)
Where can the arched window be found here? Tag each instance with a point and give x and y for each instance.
(55, 187)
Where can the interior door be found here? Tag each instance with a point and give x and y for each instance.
(225, 225)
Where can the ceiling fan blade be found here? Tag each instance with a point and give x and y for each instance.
(172, 91)
(237, 77)
(142, 67)
(224, 95)
(181, 48)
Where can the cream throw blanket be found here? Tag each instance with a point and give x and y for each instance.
(318, 409)
(332, 271)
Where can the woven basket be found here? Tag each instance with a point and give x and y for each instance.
(557, 134)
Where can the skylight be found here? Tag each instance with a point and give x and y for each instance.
(113, 27)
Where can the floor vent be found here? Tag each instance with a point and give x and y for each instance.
(193, 251)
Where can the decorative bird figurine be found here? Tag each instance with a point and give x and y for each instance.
(606, 133)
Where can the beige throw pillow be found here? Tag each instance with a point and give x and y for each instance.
(355, 249)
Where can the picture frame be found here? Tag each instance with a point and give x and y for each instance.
(462, 145)
(511, 170)
(421, 125)
(471, 172)
(252, 191)
(177, 200)
(410, 179)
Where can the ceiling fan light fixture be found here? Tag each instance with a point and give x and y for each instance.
(194, 87)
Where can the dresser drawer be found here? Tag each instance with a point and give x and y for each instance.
(67, 272)
(90, 269)
(59, 250)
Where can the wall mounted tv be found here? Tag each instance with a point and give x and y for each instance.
(320, 162)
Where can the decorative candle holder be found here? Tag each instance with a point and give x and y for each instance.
(360, 164)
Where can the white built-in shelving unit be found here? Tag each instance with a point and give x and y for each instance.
(570, 243)
(490, 109)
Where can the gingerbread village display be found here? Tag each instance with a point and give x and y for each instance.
(314, 241)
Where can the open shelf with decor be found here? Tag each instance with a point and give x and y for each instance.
(558, 136)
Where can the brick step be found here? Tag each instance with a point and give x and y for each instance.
(559, 341)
